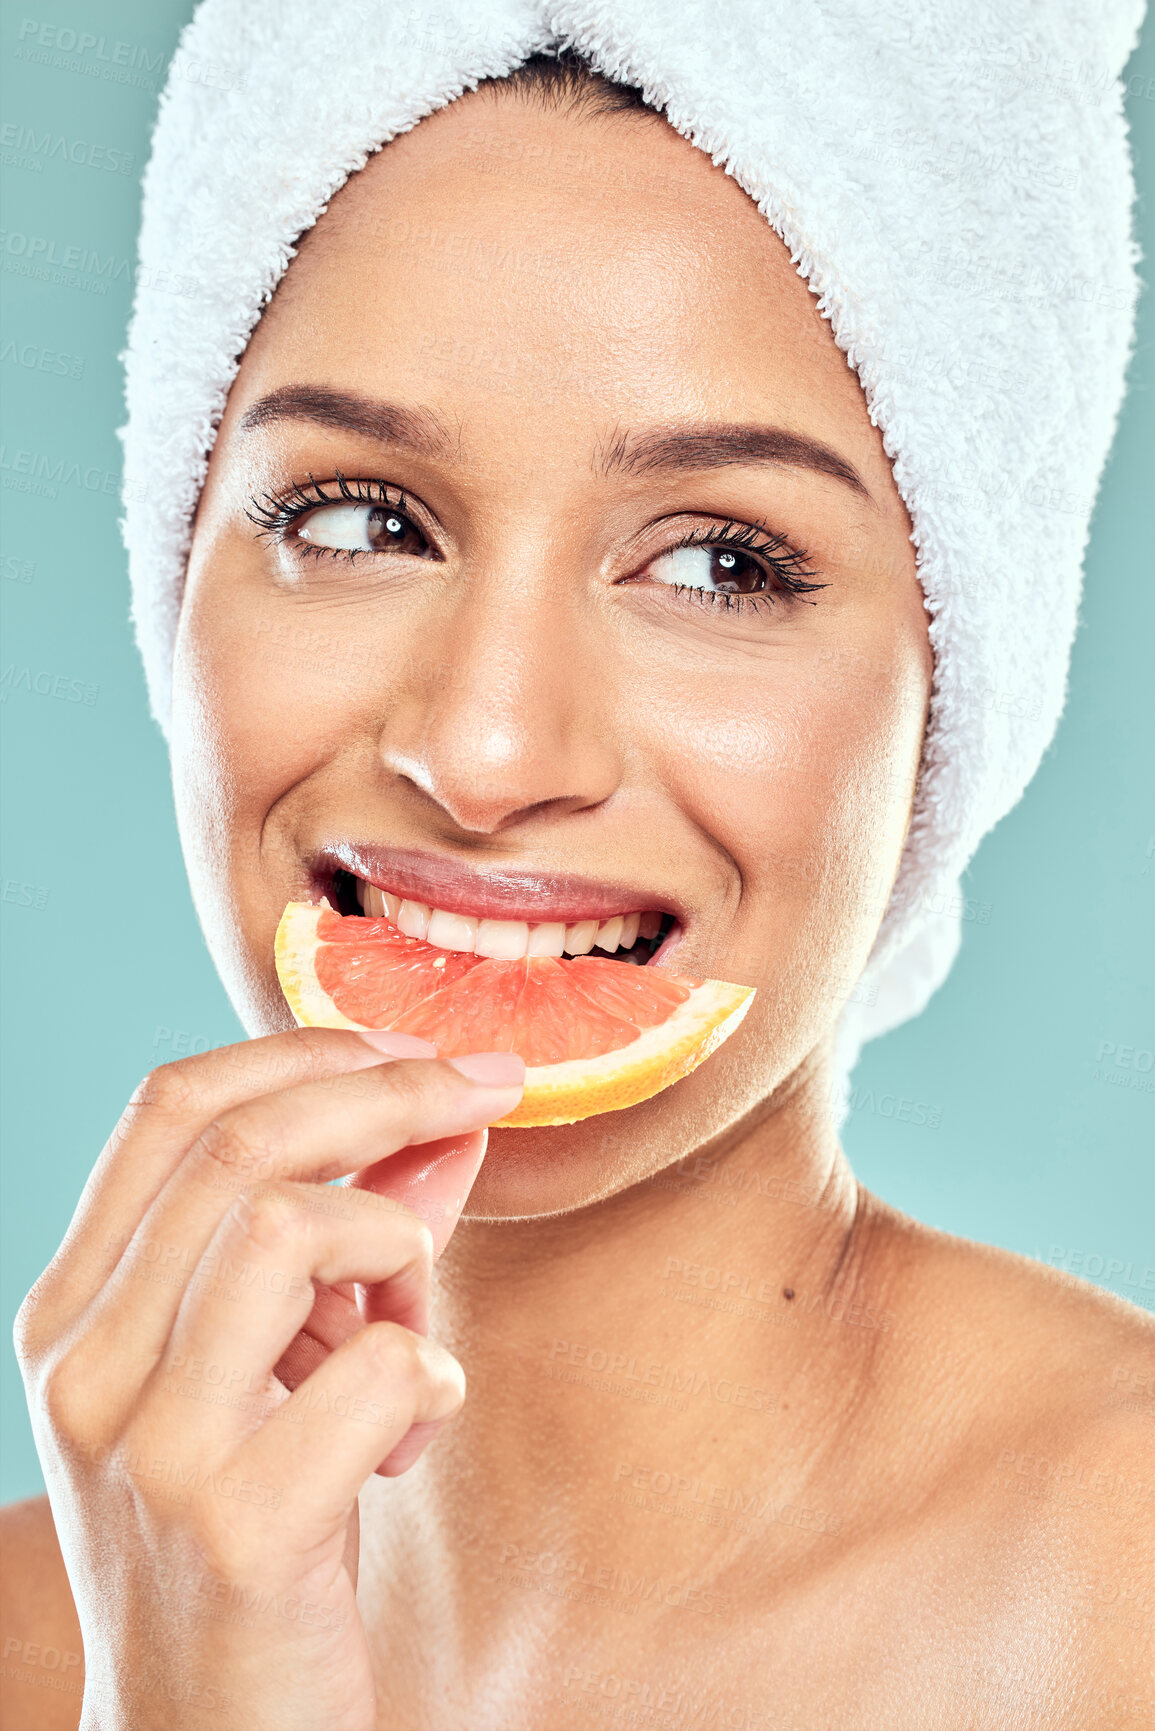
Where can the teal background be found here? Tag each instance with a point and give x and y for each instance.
(1023, 1142)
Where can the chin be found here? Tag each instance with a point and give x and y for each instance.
(531, 1174)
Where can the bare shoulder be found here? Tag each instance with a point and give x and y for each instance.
(1044, 1387)
(1082, 1357)
(42, 1671)
(1038, 1358)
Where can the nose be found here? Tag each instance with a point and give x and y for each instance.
(507, 713)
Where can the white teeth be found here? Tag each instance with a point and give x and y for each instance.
(580, 938)
(413, 919)
(609, 934)
(503, 940)
(378, 904)
(547, 939)
(451, 931)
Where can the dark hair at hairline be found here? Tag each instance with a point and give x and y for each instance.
(566, 82)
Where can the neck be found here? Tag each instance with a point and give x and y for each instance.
(687, 1327)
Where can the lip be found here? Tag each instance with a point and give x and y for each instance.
(526, 894)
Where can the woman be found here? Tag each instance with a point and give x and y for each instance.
(550, 563)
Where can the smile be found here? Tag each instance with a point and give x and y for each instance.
(573, 918)
(508, 940)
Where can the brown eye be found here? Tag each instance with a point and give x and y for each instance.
(355, 528)
(736, 573)
(719, 570)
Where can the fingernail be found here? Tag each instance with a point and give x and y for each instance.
(492, 1069)
(397, 1045)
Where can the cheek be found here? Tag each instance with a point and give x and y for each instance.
(802, 772)
(258, 702)
(250, 722)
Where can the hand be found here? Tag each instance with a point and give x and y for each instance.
(211, 1384)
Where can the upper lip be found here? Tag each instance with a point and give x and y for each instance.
(534, 894)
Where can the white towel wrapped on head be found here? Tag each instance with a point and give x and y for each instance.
(953, 182)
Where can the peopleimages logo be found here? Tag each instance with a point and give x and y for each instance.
(1108, 1270)
(83, 267)
(65, 40)
(35, 358)
(1122, 1066)
(39, 472)
(44, 683)
(625, 1374)
(114, 61)
(25, 147)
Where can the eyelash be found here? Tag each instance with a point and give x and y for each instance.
(786, 564)
(275, 513)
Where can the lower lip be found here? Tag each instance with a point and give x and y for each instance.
(669, 943)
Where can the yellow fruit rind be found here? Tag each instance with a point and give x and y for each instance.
(554, 1093)
(567, 1093)
(294, 951)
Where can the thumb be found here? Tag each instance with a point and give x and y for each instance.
(434, 1180)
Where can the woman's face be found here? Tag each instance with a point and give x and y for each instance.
(571, 670)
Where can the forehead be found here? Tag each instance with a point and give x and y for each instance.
(499, 252)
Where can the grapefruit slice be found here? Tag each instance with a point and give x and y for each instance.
(596, 1035)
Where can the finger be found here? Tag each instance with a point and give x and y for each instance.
(335, 1317)
(353, 1545)
(169, 1109)
(321, 1131)
(434, 1180)
(348, 1417)
(411, 1447)
(284, 1235)
(318, 1130)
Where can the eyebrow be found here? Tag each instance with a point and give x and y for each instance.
(722, 445)
(663, 450)
(388, 423)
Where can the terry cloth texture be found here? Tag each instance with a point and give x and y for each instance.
(953, 183)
